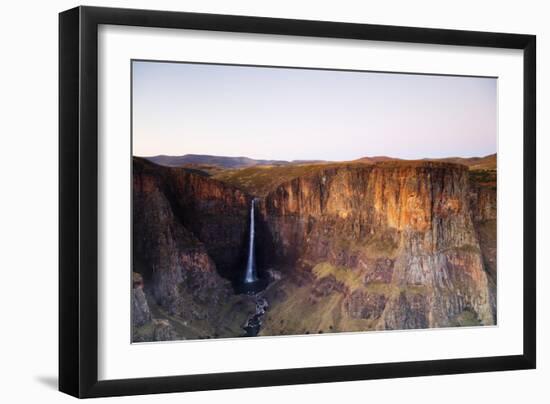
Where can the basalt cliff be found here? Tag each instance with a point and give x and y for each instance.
(393, 245)
(343, 247)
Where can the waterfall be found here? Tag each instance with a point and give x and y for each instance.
(250, 275)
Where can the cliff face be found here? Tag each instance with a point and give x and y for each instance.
(348, 247)
(144, 326)
(483, 202)
(396, 243)
(200, 210)
(186, 228)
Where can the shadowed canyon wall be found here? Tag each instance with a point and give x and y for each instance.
(186, 231)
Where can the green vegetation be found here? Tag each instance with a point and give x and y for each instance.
(484, 163)
(484, 177)
(143, 333)
(381, 246)
(234, 314)
(260, 180)
(465, 319)
(298, 313)
(468, 248)
(350, 278)
(203, 169)
(488, 162)
(354, 279)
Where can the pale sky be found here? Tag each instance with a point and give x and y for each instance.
(304, 114)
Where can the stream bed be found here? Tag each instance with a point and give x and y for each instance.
(254, 323)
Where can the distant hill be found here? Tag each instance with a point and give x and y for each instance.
(219, 161)
(203, 159)
(488, 162)
(217, 165)
(375, 159)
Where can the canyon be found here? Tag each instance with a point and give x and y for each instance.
(372, 244)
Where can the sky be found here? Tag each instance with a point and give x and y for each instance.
(306, 114)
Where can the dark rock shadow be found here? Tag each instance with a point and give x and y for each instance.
(266, 250)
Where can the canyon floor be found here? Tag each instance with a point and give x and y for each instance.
(372, 244)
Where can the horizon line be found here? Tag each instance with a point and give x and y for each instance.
(287, 160)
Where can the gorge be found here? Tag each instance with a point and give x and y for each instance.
(349, 246)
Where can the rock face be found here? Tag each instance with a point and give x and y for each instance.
(209, 211)
(141, 314)
(483, 202)
(144, 326)
(399, 240)
(346, 247)
(186, 231)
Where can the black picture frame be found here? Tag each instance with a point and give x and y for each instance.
(78, 201)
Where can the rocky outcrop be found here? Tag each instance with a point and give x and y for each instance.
(361, 304)
(141, 314)
(483, 195)
(186, 230)
(210, 212)
(400, 236)
(145, 328)
(483, 203)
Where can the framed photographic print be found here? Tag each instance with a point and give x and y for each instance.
(250, 201)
